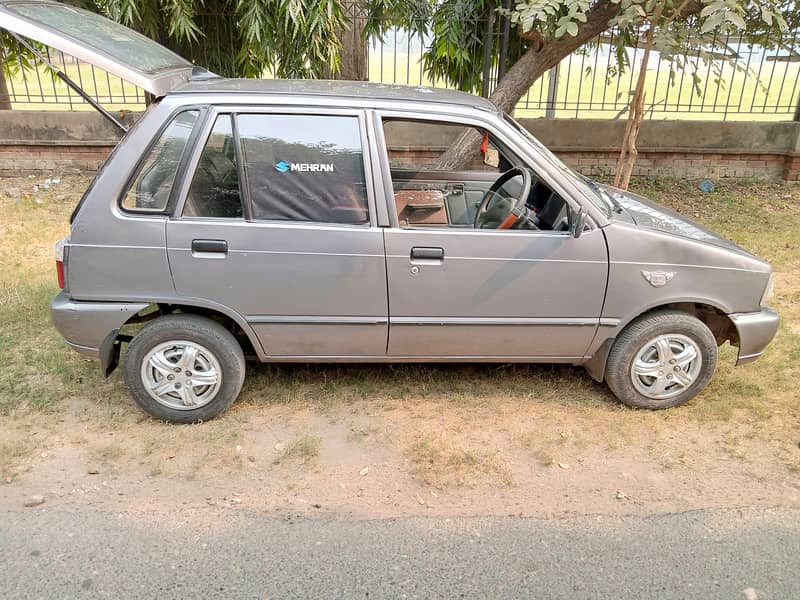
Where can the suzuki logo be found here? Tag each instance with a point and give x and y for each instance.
(282, 166)
(658, 278)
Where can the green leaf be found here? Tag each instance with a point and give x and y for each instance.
(737, 20)
(572, 28)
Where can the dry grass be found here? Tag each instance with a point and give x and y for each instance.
(303, 449)
(445, 459)
(107, 453)
(14, 455)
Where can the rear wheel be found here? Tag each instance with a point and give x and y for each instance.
(184, 368)
(661, 360)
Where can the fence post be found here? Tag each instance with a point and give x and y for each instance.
(797, 110)
(506, 31)
(487, 50)
(552, 89)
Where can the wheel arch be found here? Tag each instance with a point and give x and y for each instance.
(232, 320)
(710, 313)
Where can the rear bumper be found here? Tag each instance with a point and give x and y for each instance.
(90, 327)
(756, 331)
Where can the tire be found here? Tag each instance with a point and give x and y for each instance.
(650, 364)
(194, 366)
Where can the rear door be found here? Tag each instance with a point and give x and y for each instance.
(99, 41)
(277, 222)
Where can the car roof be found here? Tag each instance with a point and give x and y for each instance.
(360, 90)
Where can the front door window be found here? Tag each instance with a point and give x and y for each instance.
(431, 191)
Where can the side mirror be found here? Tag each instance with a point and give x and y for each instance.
(578, 224)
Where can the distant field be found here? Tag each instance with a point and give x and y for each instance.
(767, 93)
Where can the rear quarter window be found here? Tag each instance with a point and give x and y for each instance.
(150, 189)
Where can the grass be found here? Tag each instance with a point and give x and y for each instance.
(444, 459)
(753, 407)
(107, 453)
(14, 453)
(302, 449)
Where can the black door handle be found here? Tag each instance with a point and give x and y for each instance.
(424, 253)
(218, 246)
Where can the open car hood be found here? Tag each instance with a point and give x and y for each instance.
(99, 41)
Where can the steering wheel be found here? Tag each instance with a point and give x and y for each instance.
(517, 208)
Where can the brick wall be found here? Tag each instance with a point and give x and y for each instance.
(791, 169)
(51, 159)
(691, 165)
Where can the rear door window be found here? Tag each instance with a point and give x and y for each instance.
(150, 189)
(304, 167)
(215, 186)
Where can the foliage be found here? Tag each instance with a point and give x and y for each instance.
(15, 56)
(248, 38)
(683, 28)
(292, 38)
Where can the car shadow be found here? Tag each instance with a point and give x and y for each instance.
(451, 383)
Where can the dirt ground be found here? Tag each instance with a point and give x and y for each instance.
(380, 441)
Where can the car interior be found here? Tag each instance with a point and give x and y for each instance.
(427, 195)
(214, 190)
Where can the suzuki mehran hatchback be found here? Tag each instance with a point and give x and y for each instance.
(319, 221)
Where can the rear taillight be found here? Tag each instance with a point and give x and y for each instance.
(62, 280)
(60, 272)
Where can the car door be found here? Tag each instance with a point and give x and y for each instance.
(277, 223)
(486, 294)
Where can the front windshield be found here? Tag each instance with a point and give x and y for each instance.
(588, 187)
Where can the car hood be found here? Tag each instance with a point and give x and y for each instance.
(646, 213)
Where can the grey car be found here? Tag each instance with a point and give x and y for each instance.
(316, 221)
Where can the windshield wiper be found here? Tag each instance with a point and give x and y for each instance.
(615, 204)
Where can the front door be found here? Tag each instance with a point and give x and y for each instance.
(469, 293)
(460, 291)
(277, 224)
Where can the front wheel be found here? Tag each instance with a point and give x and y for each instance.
(184, 368)
(661, 360)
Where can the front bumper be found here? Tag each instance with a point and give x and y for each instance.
(90, 327)
(756, 331)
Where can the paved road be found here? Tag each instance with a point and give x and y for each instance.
(51, 552)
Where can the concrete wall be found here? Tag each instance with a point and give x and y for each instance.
(54, 142)
(692, 149)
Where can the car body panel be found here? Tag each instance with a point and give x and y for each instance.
(304, 289)
(697, 272)
(507, 293)
(114, 254)
(755, 331)
(85, 325)
(648, 214)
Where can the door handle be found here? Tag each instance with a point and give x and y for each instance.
(216, 246)
(425, 253)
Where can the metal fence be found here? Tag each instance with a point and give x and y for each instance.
(757, 84)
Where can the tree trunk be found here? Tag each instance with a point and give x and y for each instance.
(628, 153)
(5, 97)
(355, 51)
(519, 78)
